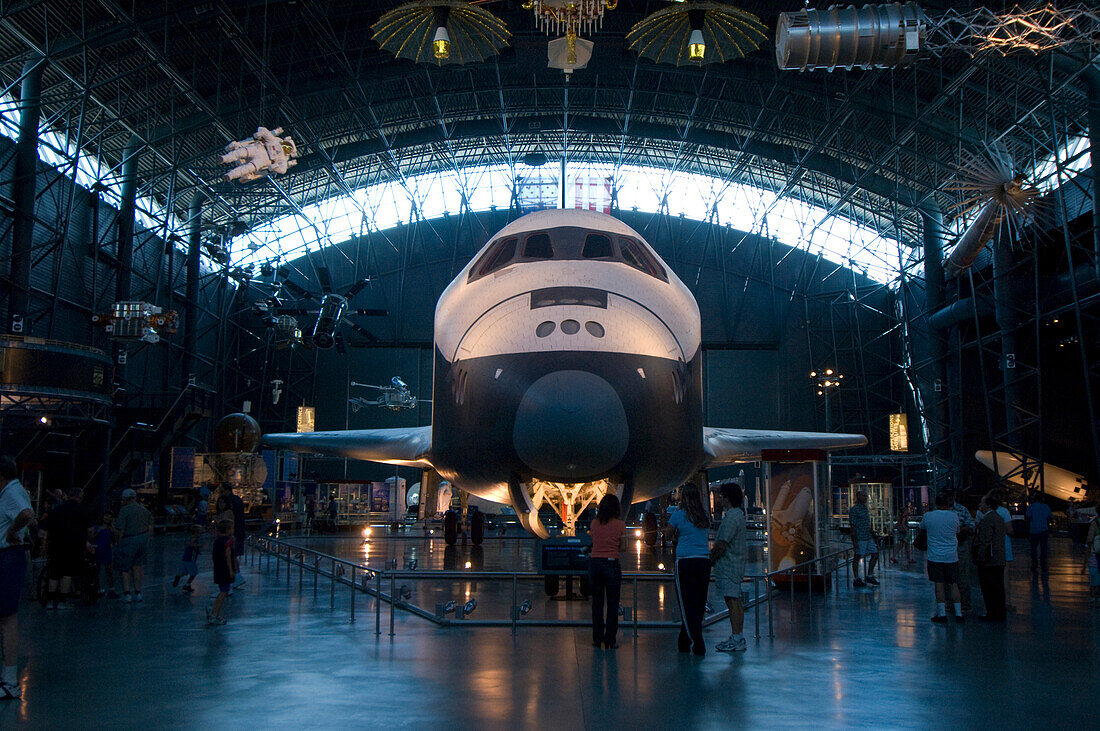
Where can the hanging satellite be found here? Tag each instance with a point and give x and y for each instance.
(441, 32)
(991, 188)
(572, 17)
(568, 54)
(694, 33)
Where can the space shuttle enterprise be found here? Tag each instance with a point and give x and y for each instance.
(567, 365)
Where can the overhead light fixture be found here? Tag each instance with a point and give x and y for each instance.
(441, 44)
(697, 47)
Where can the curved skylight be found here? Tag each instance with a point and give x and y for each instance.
(698, 197)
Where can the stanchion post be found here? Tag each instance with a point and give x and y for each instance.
(768, 588)
(353, 593)
(634, 609)
(393, 596)
(378, 603)
(756, 599)
(515, 607)
(301, 569)
(790, 578)
(332, 584)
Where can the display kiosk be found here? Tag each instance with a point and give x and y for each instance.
(796, 493)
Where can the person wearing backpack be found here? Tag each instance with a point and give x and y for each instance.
(989, 555)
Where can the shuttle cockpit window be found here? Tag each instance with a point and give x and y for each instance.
(538, 246)
(636, 255)
(597, 246)
(497, 257)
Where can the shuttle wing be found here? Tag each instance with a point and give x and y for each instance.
(726, 446)
(408, 446)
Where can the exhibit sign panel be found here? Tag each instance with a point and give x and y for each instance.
(797, 502)
(899, 433)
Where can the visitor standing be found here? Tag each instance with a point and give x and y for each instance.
(102, 542)
(1038, 522)
(225, 568)
(989, 555)
(728, 562)
(132, 526)
(605, 573)
(901, 536)
(966, 558)
(689, 526)
(863, 541)
(16, 517)
(66, 527)
(189, 563)
(942, 528)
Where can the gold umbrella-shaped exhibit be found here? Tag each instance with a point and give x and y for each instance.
(441, 31)
(697, 33)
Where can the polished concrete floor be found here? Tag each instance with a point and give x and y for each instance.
(286, 660)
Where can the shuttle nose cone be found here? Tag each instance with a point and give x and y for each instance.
(570, 426)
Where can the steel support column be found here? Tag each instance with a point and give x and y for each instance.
(191, 308)
(1091, 76)
(124, 250)
(23, 190)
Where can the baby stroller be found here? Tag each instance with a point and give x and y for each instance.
(85, 584)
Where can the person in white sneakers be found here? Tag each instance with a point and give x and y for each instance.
(132, 526)
(728, 559)
(16, 516)
(942, 528)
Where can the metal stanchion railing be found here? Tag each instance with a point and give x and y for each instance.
(352, 593)
(515, 607)
(378, 603)
(393, 597)
(332, 585)
(634, 609)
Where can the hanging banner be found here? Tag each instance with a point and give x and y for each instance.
(899, 433)
(183, 468)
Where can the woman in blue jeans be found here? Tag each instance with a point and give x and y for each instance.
(605, 574)
(690, 525)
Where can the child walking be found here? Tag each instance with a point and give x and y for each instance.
(102, 538)
(189, 564)
(225, 568)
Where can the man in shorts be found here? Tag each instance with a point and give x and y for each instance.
(942, 528)
(728, 560)
(863, 540)
(16, 517)
(132, 526)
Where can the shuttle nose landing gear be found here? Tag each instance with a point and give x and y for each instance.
(568, 500)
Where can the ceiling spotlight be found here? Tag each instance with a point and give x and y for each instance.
(441, 44)
(697, 47)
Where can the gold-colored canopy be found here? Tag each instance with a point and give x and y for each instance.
(729, 33)
(409, 32)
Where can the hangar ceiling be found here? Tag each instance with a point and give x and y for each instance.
(187, 76)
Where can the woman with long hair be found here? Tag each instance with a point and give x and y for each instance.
(690, 525)
(605, 574)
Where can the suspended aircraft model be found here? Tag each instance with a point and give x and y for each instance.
(396, 397)
(567, 366)
(331, 310)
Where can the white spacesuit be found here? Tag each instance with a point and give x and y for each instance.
(262, 155)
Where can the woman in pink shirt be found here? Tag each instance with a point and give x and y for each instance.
(605, 575)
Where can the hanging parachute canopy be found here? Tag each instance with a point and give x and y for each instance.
(441, 32)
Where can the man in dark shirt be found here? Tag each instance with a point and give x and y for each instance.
(66, 540)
